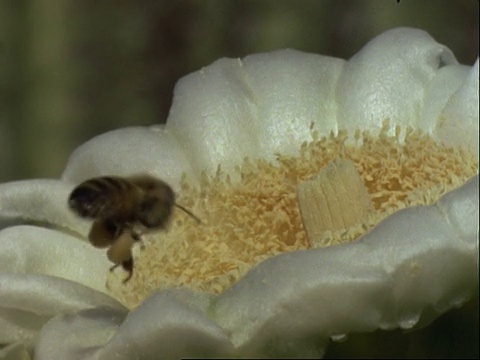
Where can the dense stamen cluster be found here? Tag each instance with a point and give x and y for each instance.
(257, 217)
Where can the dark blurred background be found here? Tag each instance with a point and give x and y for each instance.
(70, 70)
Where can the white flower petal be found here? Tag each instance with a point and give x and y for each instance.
(213, 114)
(448, 80)
(255, 107)
(82, 333)
(35, 250)
(388, 78)
(414, 265)
(27, 302)
(431, 253)
(458, 123)
(165, 326)
(292, 90)
(233, 108)
(38, 201)
(128, 151)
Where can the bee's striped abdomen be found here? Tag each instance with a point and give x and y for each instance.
(100, 197)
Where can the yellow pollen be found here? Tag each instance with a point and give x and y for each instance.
(258, 217)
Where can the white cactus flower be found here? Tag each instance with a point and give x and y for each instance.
(411, 267)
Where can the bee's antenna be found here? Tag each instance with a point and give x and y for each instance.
(189, 213)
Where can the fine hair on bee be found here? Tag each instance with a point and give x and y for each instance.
(122, 209)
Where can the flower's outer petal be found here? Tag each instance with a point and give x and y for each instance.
(388, 78)
(416, 264)
(213, 114)
(41, 201)
(431, 252)
(27, 302)
(265, 104)
(128, 151)
(162, 327)
(294, 90)
(461, 210)
(82, 333)
(36, 250)
(458, 123)
(175, 331)
(448, 80)
(255, 107)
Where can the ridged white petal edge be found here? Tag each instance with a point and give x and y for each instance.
(41, 201)
(36, 250)
(169, 325)
(43, 274)
(154, 150)
(28, 301)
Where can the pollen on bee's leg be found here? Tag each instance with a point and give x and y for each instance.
(114, 267)
(334, 199)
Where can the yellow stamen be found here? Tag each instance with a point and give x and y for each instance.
(258, 217)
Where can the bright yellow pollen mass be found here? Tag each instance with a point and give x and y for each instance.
(258, 217)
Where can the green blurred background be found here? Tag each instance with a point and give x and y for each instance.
(70, 70)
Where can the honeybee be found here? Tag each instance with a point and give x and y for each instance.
(122, 209)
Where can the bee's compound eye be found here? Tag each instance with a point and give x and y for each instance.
(82, 201)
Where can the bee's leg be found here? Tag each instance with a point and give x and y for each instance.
(128, 266)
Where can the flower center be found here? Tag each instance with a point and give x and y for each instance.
(258, 216)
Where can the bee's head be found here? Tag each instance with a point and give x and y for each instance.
(84, 201)
(155, 211)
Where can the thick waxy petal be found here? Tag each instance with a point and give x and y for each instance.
(41, 201)
(28, 301)
(448, 80)
(82, 334)
(168, 325)
(457, 125)
(388, 78)
(214, 115)
(293, 90)
(254, 107)
(266, 103)
(36, 250)
(128, 151)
